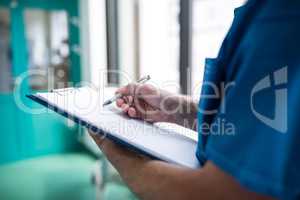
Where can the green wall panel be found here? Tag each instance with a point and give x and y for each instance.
(9, 141)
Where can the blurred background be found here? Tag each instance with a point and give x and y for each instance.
(62, 43)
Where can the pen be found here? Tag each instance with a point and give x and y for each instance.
(117, 96)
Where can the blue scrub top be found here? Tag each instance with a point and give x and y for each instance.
(252, 131)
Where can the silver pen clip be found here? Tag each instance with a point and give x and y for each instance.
(117, 96)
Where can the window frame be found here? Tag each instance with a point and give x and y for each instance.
(185, 49)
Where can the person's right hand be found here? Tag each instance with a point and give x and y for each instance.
(148, 103)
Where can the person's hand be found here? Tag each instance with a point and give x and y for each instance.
(148, 103)
(109, 148)
(123, 159)
(153, 105)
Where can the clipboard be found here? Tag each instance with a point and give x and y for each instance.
(158, 143)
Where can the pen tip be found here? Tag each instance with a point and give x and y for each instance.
(106, 103)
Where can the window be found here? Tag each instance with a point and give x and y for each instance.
(159, 41)
(211, 21)
(149, 35)
(148, 39)
(93, 33)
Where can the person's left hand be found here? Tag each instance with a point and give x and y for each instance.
(106, 145)
(115, 153)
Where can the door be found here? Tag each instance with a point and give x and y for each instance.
(9, 141)
(41, 46)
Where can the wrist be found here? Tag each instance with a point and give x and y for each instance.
(186, 114)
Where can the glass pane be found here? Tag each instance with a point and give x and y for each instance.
(5, 53)
(159, 41)
(48, 48)
(211, 21)
(149, 41)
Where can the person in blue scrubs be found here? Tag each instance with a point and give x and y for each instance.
(247, 118)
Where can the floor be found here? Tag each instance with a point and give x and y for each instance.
(66, 176)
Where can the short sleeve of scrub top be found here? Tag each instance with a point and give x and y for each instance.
(253, 132)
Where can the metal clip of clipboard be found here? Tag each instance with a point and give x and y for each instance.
(63, 91)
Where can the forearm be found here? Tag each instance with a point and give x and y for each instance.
(154, 180)
(150, 179)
